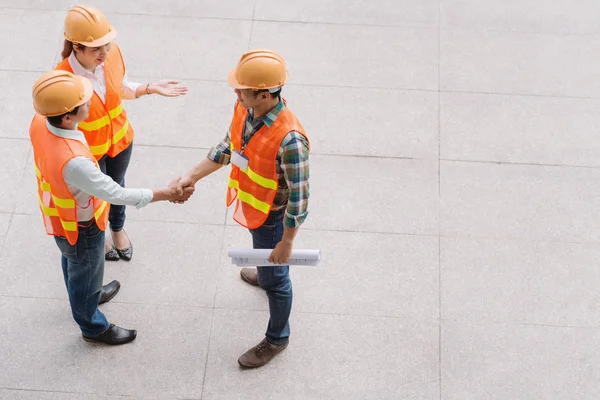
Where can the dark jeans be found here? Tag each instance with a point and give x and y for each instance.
(275, 280)
(116, 168)
(83, 270)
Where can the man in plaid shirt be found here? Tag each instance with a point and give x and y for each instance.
(271, 202)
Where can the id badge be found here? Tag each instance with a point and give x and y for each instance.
(239, 160)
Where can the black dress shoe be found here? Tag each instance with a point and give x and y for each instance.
(113, 335)
(127, 253)
(109, 291)
(111, 255)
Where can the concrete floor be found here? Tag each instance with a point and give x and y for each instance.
(455, 175)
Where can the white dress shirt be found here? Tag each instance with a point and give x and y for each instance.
(84, 180)
(98, 81)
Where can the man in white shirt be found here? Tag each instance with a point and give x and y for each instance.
(74, 196)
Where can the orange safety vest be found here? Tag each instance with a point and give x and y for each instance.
(51, 153)
(256, 187)
(106, 128)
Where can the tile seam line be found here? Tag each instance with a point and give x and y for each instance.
(439, 202)
(406, 234)
(368, 156)
(423, 321)
(317, 85)
(67, 392)
(424, 26)
(212, 316)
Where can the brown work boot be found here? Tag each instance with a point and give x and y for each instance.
(250, 275)
(260, 354)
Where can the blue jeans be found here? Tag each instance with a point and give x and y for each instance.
(275, 280)
(116, 168)
(83, 270)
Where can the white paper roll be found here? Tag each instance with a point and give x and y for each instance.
(260, 257)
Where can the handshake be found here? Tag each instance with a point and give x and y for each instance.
(179, 190)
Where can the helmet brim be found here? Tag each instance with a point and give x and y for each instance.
(109, 37)
(233, 82)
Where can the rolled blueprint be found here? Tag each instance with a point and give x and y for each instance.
(260, 257)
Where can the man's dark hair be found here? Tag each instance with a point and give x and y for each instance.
(273, 95)
(57, 120)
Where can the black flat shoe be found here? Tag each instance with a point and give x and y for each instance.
(111, 255)
(109, 291)
(127, 253)
(114, 335)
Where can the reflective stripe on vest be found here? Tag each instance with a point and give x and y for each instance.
(256, 178)
(100, 210)
(101, 122)
(249, 199)
(103, 148)
(45, 186)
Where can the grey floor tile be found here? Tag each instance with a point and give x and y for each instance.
(41, 273)
(387, 275)
(156, 167)
(166, 359)
(16, 101)
(199, 119)
(335, 130)
(194, 48)
(172, 264)
(521, 129)
(59, 5)
(562, 16)
(380, 57)
(322, 350)
(497, 361)
(27, 190)
(516, 281)
(519, 201)
(11, 171)
(499, 62)
(41, 43)
(4, 224)
(374, 195)
(583, 60)
(232, 9)
(379, 12)
(23, 394)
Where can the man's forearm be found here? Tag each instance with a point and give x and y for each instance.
(202, 169)
(289, 234)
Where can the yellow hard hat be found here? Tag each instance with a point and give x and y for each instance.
(58, 92)
(88, 26)
(259, 69)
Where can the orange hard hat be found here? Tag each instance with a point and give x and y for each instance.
(88, 26)
(58, 92)
(259, 69)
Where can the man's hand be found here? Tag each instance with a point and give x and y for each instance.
(179, 185)
(281, 253)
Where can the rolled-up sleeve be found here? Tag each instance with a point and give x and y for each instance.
(221, 153)
(82, 173)
(294, 163)
(129, 88)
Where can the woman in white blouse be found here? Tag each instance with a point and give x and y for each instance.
(89, 51)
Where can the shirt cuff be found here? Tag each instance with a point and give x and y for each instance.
(147, 196)
(133, 86)
(218, 157)
(294, 221)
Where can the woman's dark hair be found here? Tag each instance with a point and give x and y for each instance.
(57, 120)
(273, 95)
(68, 48)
